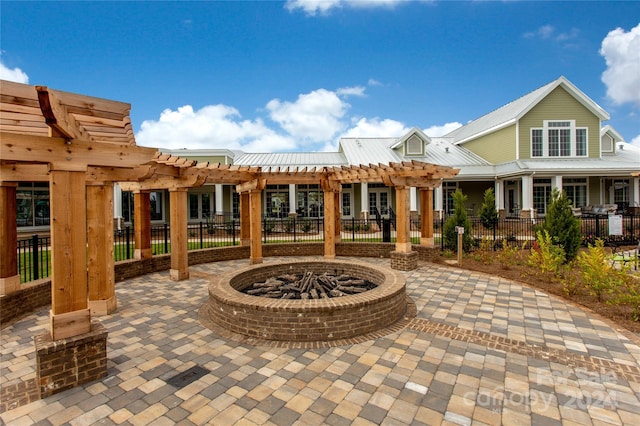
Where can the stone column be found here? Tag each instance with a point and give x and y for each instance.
(527, 197)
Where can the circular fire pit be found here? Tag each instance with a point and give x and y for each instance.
(307, 320)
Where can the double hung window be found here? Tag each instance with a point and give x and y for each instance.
(559, 139)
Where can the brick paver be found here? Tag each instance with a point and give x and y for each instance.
(480, 350)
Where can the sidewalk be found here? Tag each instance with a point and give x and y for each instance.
(481, 350)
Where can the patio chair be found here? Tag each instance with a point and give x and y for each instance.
(626, 257)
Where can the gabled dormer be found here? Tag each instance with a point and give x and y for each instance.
(412, 144)
(609, 137)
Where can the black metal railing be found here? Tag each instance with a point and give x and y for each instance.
(34, 253)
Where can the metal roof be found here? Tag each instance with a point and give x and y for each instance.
(291, 159)
(511, 112)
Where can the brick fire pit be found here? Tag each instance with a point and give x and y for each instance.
(307, 320)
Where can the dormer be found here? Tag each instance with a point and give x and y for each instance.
(609, 137)
(412, 144)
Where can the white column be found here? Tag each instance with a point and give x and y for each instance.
(635, 192)
(556, 182)
(292, 198)
(117, 201)
(413, 199)
(527, 193)
(219, 197)
(364, 200)
(499, 193)
(438, 206)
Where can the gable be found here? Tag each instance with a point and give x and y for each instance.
(559, 105)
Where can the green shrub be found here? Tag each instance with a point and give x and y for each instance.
(545, 255)
(488, 212)
(597, 272)
(459, 218)
(562, 225)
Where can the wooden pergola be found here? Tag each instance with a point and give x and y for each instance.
(81, 145)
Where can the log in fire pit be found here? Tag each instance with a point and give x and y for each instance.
(366, 298)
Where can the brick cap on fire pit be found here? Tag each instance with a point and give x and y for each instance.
(323, 320)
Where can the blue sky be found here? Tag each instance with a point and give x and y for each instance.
(298, 75)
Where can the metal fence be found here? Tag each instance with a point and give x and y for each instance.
(34, 258)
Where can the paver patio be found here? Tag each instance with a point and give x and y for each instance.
(481, 350)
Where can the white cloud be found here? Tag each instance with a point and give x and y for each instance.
(548, 32)
(435, 131)
(15, 74)
(373, 128)
(213, 127)
(621, 51)
(322, 7)
(351, 91)
(313, 117)
(635, 141)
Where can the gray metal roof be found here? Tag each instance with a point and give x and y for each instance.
(511, 112)
(291, 159)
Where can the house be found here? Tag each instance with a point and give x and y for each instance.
(552, 137)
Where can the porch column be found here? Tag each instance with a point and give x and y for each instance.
(245, 220)
(179, 242)
(101, 275)
(219, 194)
(292, 199)
(556, 182)
(527, 197)
(426, 224)
(70, 315)
(9, 277)
(364, 200)
(117, 205)
(439, 206)
(142, 224)
(255, 219)
(498, 190)
(413, 203)
(635, 193)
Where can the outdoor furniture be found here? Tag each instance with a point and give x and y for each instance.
(626, 257)
(600, 209)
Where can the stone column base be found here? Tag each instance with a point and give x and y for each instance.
(427, 241)
(404, 261)
(67, 363)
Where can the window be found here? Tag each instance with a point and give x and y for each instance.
(33, 204)
(200, 206)
(127, 206)
(448, 188)
(576, 190)
(559, 139)
(236, 204)
(621, 193)
(277, 199)
(541, 195)
(346, 204)
(157, 212)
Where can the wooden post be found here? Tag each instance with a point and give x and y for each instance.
(403, 241)
(426, 211)
(69, 313)
(142, 224)
(329, 224)
(255, 218)
(179, 243)
(9, 277)
(102, 292)
(245, 220)
(338, 215)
